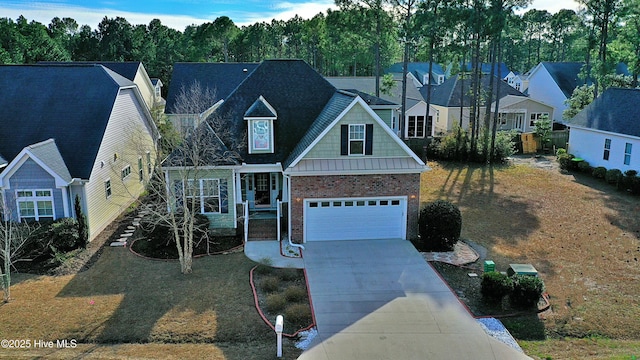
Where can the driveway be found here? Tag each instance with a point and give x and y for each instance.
(379, 299)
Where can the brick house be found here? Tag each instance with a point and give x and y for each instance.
(319, 163)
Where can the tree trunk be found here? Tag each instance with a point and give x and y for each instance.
(494, 130)
(487, 115)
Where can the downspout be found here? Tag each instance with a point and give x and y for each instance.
(288, 177)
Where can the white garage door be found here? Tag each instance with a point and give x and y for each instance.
(355, 219)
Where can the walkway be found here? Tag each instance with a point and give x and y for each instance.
(379, 299)
(260, 251)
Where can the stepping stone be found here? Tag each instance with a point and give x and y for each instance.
(129, 230)
(118, 243)
(126, 235)
(136, 223)
(130, 227)
(137, 219)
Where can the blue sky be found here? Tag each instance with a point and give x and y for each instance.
(180, 13)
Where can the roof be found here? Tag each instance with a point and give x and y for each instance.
(367, 85)
(221, 78)
(370, 99)
(448, 93)
(416, 68)
(485, 68)
(565, 75)
(71, 104)
(260, 109)
(615, 110)
(47, 152)
(128, 69)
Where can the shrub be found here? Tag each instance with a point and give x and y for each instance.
(263, 269)
(613, 176)
(295, 293)
(64, 235)
(298, 314)
(526, 290)
(439, 226)
(628, 179)
(275, 303)
(635, 186)
(584, 167)
(289, 274)
(599, 173)
(561, 151)
(495, 285)
(565, 161)
(270, 284)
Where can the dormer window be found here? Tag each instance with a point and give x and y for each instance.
(260, 117)
(356, 139)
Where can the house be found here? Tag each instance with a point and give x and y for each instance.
(217, 80)
(415, 126)
(520, 113)
(419, 72)
(607, 131)
(74, 131)
(451, 101)
(314, 156)
(500, 69)
(553, 83)
(158, 100)
(131, 70)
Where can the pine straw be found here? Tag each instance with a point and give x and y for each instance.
(581, 235)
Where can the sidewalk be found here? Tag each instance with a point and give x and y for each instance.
(259, 251)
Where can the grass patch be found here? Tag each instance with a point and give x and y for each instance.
(582, 236)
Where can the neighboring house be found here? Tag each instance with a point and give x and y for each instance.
(607, 131)
(321, 155)
(158, 100)
(419, 72)
(520, 113)
(73, 130)
(415, 126)
(553, 83)
(454, 96)
(131, 70)
(218, 79)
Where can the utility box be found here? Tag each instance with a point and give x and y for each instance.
(522, 269)
(489, 265)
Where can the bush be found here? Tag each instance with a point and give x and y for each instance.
(64, 235)
(289, 274)
(439, 226)
(275, 303)
(270, 284)
(495, 285)
(298, 314)
(584, 167)
(613, 176)
(565, 161)
(628, 179)
(295, 293)
(263, 269)
(561, 151)
(599, 173)
(635, 186)
(526, 290)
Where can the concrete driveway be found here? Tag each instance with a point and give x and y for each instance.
(379, 299)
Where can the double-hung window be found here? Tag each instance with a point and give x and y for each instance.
(607, 149)
(416, 127)
(537, 116)
(125, 172)
(356, 139)
(203, 195)
(35, 205)
(140, 169)
(627, 153)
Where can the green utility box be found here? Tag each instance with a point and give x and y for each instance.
(522, 269)
(489, 265)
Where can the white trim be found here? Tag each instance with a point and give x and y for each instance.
(364, 139)
(376, 118)
(357, 172)
(34, 199)
(19, 160)
(252, 150)
(260, 168)
(601, 131)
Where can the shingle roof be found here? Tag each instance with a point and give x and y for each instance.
(368, 85)
(615, 110)
(221, 78)
(48, 152)
(128, 69)
(370, 99)
(448, 93)
(294, 89)
(485, 68)
(71, 104)
(260, 110)
(336, 105)
(565, 74)
(416, 67)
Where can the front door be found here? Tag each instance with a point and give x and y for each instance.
(263, 193)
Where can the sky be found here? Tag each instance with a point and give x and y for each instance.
(178, 14)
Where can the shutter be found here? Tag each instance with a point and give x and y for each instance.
(344, 140)
(368, 142)
(224, 198)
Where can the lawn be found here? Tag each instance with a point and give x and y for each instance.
(581, 235)
(126, 306)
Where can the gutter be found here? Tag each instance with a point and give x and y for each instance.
(288, 177)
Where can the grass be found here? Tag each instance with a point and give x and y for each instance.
(581, 235)
(128, 306)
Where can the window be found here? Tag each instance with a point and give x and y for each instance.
(140, 169)
(440, 79)
(607, 149)
(260, 136)
(125, 172)
(437, 116)
(204, 195)
(356, 139)
(502, 118)
(627, 153)
(148, 162)
(107, 188)
(35, 205)
(416, 126)
(518, 86)
(537, 116)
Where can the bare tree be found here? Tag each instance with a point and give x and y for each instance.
(181, 188)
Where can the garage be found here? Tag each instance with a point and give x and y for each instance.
(355, 218)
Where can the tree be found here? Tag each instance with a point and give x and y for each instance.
(581, 97)
(543, 130)
(179, 183)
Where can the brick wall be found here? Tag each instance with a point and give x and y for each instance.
(340, 186)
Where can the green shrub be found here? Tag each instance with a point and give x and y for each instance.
(599, 173)
(439, 226)
(565, 161)
(495, 285)
(64, 235)
(635, 186)
(295, 293)
(298, 314)
(275, 303)
(263, 269)
(526, 290)
(613, 176)
(584, 167)
(561, 151)
(270, 284)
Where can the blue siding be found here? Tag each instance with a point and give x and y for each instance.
(30, 176)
